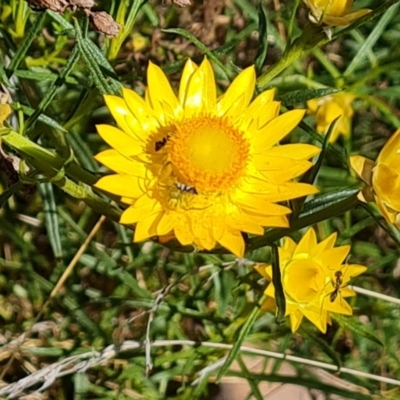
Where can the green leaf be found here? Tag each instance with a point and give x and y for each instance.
(301, 96)
(45, 102)
(42, 118)
(6, 194)
(104, 66)
(277, 282)
(319, 209)
(376, 33)
(92, 63)
(43, 76)
(238, 343)
(51, 218)
(204, 49)
(24, 46)
(323, 344)
(356, 327)
(263, 37)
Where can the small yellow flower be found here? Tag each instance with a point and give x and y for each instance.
(382, 178)
(5, 108)
(333, 12)
(314, 280)
(328, 108)
(200, 167)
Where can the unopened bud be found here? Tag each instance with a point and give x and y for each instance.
(104, 23)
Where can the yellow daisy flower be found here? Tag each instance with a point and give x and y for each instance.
(326, 109)
(200, 167)
(314, 280)
(333, 12)
(382, 178)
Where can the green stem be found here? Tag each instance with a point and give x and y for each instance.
(50, 165)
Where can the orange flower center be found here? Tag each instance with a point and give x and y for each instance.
(207, 153)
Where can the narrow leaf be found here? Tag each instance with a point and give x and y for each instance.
(357, 328)
(238, 343)
(301, 96)
(51, 218)
(263, 37)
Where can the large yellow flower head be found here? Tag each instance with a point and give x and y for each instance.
(200, 167)
(314, 279)
(328, 108)
(382, 178)
(333, 12)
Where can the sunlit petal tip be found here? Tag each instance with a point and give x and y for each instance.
(116, 104)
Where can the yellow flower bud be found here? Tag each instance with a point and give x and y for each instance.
(382, 179)
(328, 108)
(333, 12)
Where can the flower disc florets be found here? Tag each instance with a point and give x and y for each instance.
(202, 168)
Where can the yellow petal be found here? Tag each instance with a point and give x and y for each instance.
(275, 193)
(233, 241)
(124, 118)
(277, 129)
(188, 71)
(296, 151)
(165, 224)
(326, 244)
(318, 318)
(135, 213)
(352, 270)
(289, 169)
(295, 320)
(209, 91)
(140, 109)
(159, 90)
(121, 185)
(262, 109)
(390, 149)
(338, 306)
(257, 203)
(333, 258)
(184, 234)
(113, 160)
(363, 168)
(347, 19)
(145, 228)
(239, 93)
(307, 243)
(120, 141)
(261, 269)
(5, 112)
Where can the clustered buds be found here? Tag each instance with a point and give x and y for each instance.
(101, 21)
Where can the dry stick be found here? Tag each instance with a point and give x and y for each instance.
(59, 284)
(74, 261)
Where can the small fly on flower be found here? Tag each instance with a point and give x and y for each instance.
(186, 188)
(161, 143)
(337, 285)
